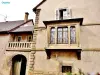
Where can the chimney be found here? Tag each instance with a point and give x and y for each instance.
(26, 16)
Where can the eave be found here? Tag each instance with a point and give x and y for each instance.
(80, 20)
(4, 32)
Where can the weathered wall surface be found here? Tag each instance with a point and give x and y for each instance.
(90, 37)
(89, 62)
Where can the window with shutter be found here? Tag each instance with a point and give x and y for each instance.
(63, 14)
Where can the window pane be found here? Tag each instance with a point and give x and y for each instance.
(72, 35)
(52, 35)
(59, 35)
(62, 35)
(65, 35)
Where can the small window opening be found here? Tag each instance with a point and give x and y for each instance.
(62, 13)
(66, 69)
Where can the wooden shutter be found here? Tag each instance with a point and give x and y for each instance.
(57, 14)
(67, 14)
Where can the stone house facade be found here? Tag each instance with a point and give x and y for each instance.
(67, 37)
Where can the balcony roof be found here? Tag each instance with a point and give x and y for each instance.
(80, 20)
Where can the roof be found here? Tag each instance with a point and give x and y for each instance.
(34, 9)
(15, 26)
(6, 26)
(66, 20)
(23, 29)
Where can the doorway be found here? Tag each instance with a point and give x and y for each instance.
(19, 65)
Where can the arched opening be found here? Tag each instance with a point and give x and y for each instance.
(19, 65)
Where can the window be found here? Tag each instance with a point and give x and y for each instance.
(18, 38)
(66, 69)
(62, 35)
(72, 35)
(29, 38)
(63, 14)
(52, 35)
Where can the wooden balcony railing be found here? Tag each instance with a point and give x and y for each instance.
(19, 45)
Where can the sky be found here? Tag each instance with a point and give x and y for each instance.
(15, 9)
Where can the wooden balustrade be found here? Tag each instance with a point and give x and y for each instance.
(20, 45)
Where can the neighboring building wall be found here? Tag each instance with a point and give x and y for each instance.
(6, 56)
(4, 38)
(7, 66)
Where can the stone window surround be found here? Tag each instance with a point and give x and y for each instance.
(69, 34)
